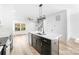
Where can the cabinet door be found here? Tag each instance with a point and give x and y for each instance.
(38, 44)
(46, 47)
(34, 41)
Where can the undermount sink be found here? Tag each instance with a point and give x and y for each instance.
(41, 33)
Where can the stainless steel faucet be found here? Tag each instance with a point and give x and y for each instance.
(41, 19)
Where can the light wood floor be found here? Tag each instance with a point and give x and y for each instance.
(21, 46)
(70, 48)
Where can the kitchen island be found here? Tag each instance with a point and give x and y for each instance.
(47, 44)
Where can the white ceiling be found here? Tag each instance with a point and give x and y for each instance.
(52, 8)
(27, 10)
(32, 10)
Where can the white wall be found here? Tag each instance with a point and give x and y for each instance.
(72, 16)
(30, 26)
(51, 25)
(9, 14)
(6, 17)
(15, 13)
(74, 20)
(18, 32)
(22, 12)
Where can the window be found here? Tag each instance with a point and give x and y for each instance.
(20, 27)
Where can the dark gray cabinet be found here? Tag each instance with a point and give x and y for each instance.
(38, 44)
(46, 47)
(42, 45)
(34, 39)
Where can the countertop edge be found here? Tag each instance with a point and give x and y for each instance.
(48, 37)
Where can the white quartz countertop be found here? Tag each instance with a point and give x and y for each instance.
(51, 36)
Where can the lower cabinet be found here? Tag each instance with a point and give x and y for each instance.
(34, 39)
(42, 45)
(38, 45)
(3, 52)
(46, 47)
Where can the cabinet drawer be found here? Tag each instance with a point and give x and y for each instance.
(47, 41)
(46, 49)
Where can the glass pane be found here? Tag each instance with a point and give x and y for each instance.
(17, 27)
(23, 27)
